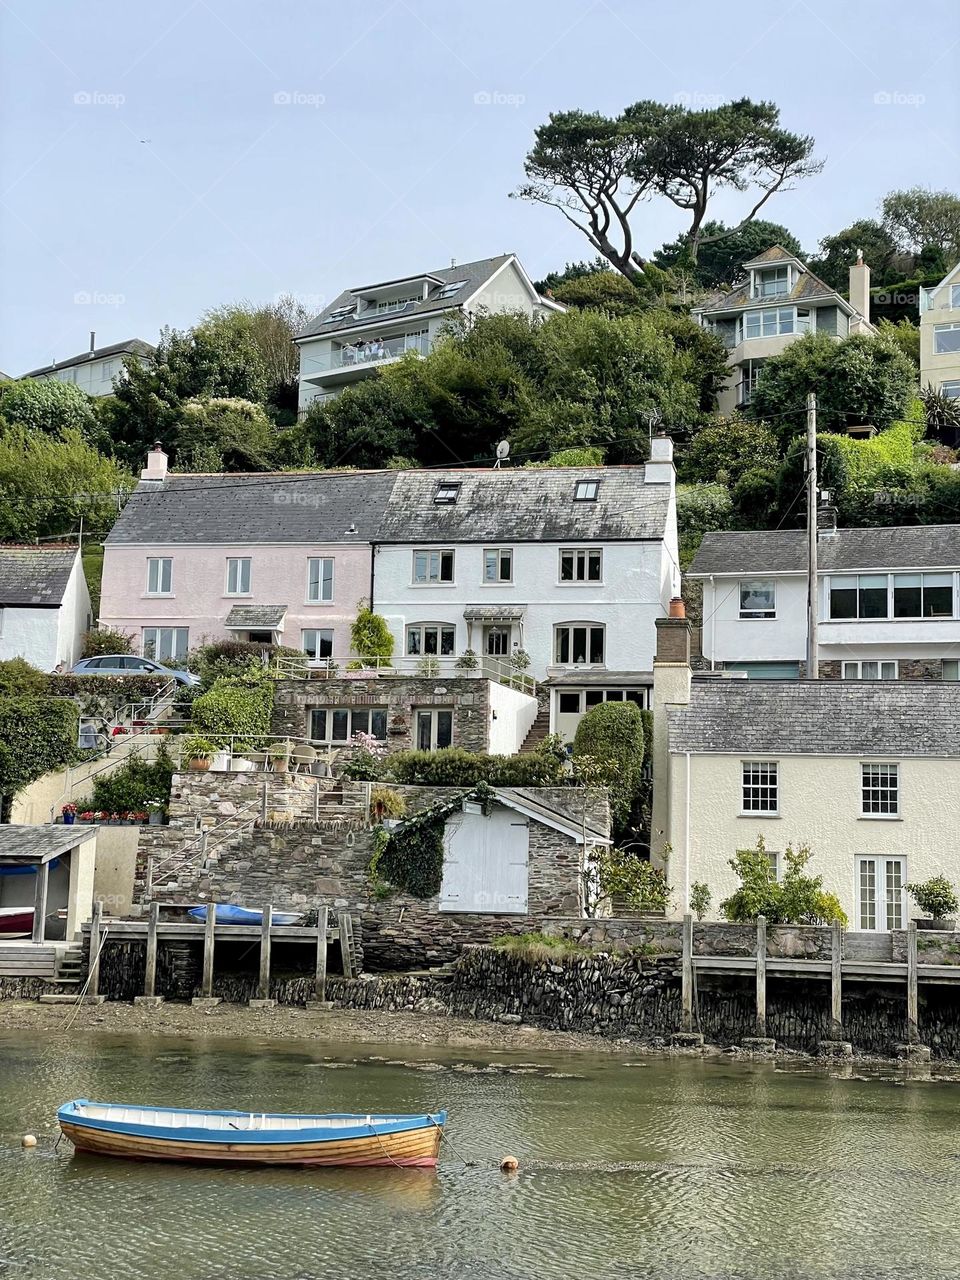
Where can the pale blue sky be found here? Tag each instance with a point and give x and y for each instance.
(383, 162)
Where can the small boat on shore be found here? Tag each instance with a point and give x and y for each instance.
(227, 913)
(242, 1137)
(15, 921)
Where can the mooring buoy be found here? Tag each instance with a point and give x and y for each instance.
(509, 1164)
(28, 1140)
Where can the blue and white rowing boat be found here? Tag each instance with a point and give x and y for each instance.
(227, 913)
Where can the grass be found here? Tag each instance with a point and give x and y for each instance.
(539, 946)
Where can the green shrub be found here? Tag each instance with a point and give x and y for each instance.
(370, 636)
(105, 640)
(700, 898)
(794, 899)
(538, 946)
(621, 874)
(18, 678)
(132, 786)
(454, 767)
(235, 708)
(935, 897)
(234, 658)
(611, 736)
(37, 735)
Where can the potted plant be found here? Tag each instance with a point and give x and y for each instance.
(468, 661)
(69, 814)
(155, 812)
(938, 898)
(88, 815)
(398, 725)
(279, 753)
(428, 667)
(386, 803)
(198, 751)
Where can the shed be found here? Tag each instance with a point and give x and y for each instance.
(46, 880)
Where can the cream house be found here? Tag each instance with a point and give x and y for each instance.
(940, 335)
(866, 775)
(96, 370)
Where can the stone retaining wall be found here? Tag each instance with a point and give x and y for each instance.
(710, 938)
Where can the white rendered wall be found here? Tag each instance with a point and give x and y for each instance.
(511, 715)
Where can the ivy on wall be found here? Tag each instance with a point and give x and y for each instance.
(410, 857)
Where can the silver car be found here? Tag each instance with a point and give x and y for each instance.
(128, 664)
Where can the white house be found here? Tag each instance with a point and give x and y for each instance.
(778, 300)
(44, 605)
(570, 565)
(94, 370)
(864, 775)
(940, 335)
(889, 602)
(366, 327)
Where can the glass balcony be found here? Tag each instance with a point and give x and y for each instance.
(366, 351)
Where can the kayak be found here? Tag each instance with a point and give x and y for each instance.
(227, 913)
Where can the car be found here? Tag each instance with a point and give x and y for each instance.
(128, 664)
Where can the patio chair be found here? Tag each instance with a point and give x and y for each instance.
(258, 759)
(302, 758)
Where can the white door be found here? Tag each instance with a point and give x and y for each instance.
(881, 893)
(485, 862)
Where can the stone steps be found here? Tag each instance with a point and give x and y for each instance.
(537, 731)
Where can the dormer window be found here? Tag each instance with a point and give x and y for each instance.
(772, 282)
(447, 493)
(586, 490)
(450, 289)
(340, 313)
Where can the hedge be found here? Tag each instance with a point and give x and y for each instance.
(454, 767)
(237, 708)
(37, 735)
(611, 734)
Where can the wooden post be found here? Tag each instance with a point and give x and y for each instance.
(762, 976)
(148, 879)
(263, 801)
(320, 986)
(913, 1029)
(836, 981)
(346, 931)
(40, 902)
(266, 925)
(150, 977)
(206, 987)
(687, 987)
(93, 978)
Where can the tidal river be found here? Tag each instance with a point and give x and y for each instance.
(628, 1167)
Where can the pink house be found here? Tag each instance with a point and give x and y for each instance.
(270, 557)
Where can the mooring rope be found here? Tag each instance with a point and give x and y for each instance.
(83, 990)
(467, 1164)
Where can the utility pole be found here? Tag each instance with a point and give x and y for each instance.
(813, 665)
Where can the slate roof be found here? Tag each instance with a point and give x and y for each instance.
(132, 346)
(255, 615)
(931, 546)
(292, 507)
(23, 844)
(476, 274)
(36, 576)
(564, 810)
(520, 504)
(819, 717)
(808, 287)
(494, 612)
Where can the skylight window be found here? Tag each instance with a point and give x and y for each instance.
(447, 493)
(340, 313)
(450, 289)
(586, 491)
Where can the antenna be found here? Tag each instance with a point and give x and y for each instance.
(654, 418)
(503, 452)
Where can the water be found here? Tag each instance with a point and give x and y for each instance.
(657, 1168)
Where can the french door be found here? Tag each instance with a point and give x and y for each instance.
(881, 893)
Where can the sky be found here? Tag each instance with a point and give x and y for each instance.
(160, 160)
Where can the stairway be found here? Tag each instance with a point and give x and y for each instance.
(70, 969)
(538, 730)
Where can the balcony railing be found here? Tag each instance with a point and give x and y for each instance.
(427, 666)
(368, 351)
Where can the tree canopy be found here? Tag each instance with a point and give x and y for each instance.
(724, 249)
(45, 404)
(839, 252)
(919, 218)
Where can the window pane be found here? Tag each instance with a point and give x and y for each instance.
(569, 703)
(429, 639)
(378, 723)
(424, 721)
(506, 566)
(579, 636)
(868, 893)
(318, 724)
(615, 695)
(894, 886)
(490, 566)
(951, 669)
(888, 671)
(593, 566)
(938, 595)
(566, 566)
(339, 731)
(444, 728)
(326, 588)
(446, 566)
(563, 644)
(758, 597)
(869, 671)
(851, 671)
(420, 566)
(906, 595)
(843, 597)
(413, 641)
(593, 698)
(149, 644)
(324, 644)
(760, 786)
(596, 644)
(447, 639)
(873, 595)
(308, 643)
(313, 579)
(946, 338)
(359, 722)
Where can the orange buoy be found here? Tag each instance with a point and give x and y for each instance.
(509, 1164)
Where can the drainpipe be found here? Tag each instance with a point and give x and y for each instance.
(373, 557)
(713, 620)
(686, 838)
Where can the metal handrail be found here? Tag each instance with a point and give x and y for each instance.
(427, 666)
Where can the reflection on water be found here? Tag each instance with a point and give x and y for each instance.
(661, 1168)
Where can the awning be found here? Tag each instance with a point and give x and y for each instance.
(493, 613)
(256, 617)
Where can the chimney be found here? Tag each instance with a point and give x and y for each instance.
(826, 516)
(659, 468)
(93, 341)
(156, 468)
(671, 688)
(860, 286)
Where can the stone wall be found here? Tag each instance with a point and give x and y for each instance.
(469, 696)
(710, 938)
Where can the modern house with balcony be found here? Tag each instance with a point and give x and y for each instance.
(889, 603)
(569, 566)
(778, 300)
(940, 335)
(367, 327)
(94, 370)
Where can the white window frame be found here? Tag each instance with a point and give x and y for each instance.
(955, 297)
(152, 647)
(446, 493)
(883, 918)
(421, 629)
(351, 714)
(570, 628)
(433, 561)
(502, 630)
(496, 556)
(162, 573)
(784, 324)
(951, 387)
(586, 490)
(779, 273)
(239, 573)
(953, 666)
(759, 785)
(938, 329)
(926, 582)
(315, 645)
(448, 290)
(854, 670)
(880, 785)
(324, 581)
(434, 714)
(754, 615)
(580, 559)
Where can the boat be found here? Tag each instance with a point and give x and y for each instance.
(16, 921)
(227, 913)
(246, 1137)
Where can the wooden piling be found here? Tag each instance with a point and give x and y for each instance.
(761, 976)
(206, 986)
(266, 925)
(320, 985)
(687, 972)
(150, 976)
(913, 1028)
(93, 978)
(346, 937)
(836, 981)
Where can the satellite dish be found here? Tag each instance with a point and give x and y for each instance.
(503, 450)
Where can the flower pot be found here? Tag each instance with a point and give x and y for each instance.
(281, 765)
(198, 766)
(155, 819)
(942, 926)
(69, 819)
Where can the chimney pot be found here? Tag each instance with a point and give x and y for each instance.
(156, 468)
(93, 341)
(677, 608)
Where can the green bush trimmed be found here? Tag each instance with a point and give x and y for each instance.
(37, 735)
(236, 708)
(454, 767)
(105, 641)
(18, 677)
(611, 736)
(132, 786)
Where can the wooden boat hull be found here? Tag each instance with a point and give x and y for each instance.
(407, 1142)
(16, 920)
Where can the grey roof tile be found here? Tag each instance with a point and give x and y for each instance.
(931, 546)
(808, 287)
(242, 616)
(35, 576)
(132, 346)
(824, 717)
(27, 844)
